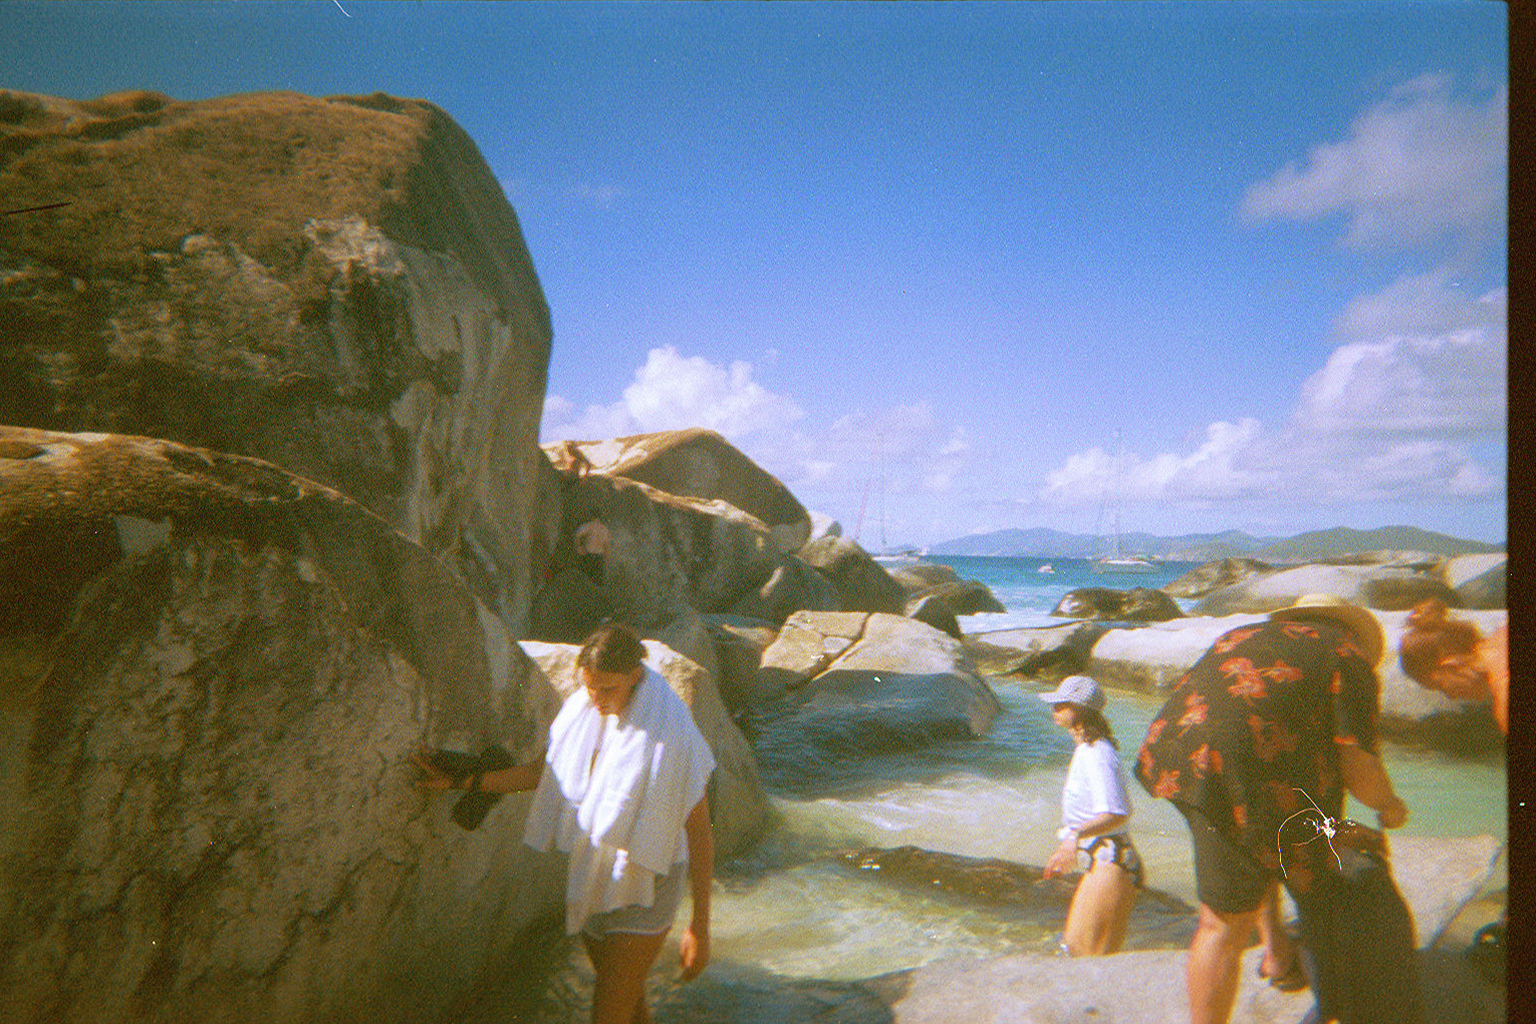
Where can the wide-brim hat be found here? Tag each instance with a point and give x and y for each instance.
(1362, 625)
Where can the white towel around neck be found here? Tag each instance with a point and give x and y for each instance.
(615, 793)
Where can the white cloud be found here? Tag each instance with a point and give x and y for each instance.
(671, 392)
(1388, 417)
(1419, 165)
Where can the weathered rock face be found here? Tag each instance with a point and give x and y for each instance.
(792, 586)
(214, 676)
(1050, 652)
(1385, 587)
(1479, 580)
(895, 684)
(669, 555)
(699, 464)
(1203, 579)
(337, 286)
(862, 583)
(1139, 604)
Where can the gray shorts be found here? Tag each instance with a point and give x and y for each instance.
(637, 920)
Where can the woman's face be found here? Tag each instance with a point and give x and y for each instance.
(1459, 676)
(610, 692)
(1062, 715)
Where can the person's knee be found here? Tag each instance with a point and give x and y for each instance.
(1232, 928)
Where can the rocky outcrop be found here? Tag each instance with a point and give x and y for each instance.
(932, 611)
(862, 583)
(668, 556)
(792, 586)
(1139, 604)
(337, 286)
(216, 671)
(1212, 576)
(700, 464)
(1479, 580)
(894, 684)
(1390, 588)
(1052, 652)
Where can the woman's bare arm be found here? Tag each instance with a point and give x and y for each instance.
(694, 948)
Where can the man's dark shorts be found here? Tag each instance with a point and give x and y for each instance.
(1228, 878)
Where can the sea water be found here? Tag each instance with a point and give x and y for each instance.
(792, 911)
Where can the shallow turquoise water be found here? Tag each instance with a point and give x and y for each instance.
(791, 910)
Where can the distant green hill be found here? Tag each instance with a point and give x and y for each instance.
(1208, 547)
(1341, 540)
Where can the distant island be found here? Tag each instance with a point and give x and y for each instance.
(1208, 547)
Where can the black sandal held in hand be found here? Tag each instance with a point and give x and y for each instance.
(474, 805)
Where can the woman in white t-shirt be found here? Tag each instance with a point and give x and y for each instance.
(1094, 811)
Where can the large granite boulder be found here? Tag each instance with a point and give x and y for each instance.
(1204, 579)
(215, 673)
(792, 586)
(701, 464)
(962, 597)
(1046, 652)
(1479, 580)
(668, 554)
(863, 584)
(1138, 604)
(899, 684)
(739, 646)
(738, 807)
(806, 645)
(1390, 588)
(337, 286)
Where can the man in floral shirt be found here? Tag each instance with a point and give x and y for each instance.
(1276, 718)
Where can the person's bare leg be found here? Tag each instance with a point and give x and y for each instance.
(1101, 905)
(621, 963)
(1279, 950)
(1215, 954)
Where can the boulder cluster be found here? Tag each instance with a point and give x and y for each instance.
(274, 512)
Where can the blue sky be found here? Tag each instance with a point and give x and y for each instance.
(962, 247)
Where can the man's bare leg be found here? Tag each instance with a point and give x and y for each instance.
(1215, 954)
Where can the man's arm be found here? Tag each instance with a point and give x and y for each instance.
(1367, 780)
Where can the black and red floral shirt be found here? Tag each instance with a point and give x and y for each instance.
(1260, 716)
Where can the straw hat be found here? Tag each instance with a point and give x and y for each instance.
(1362, 625)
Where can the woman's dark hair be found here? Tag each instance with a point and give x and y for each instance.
(1093, 723)
(1430, 636)
(611, 647)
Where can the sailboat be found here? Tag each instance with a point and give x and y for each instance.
(886, 555)
(1120, 562)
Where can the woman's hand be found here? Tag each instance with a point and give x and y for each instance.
(1063, 860)
(693, 952)
(432, 777)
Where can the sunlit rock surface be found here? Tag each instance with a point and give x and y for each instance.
(337, 286)
(214, 674)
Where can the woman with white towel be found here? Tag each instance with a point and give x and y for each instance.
(621, 790)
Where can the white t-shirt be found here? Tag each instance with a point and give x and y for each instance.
(1095, 785)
